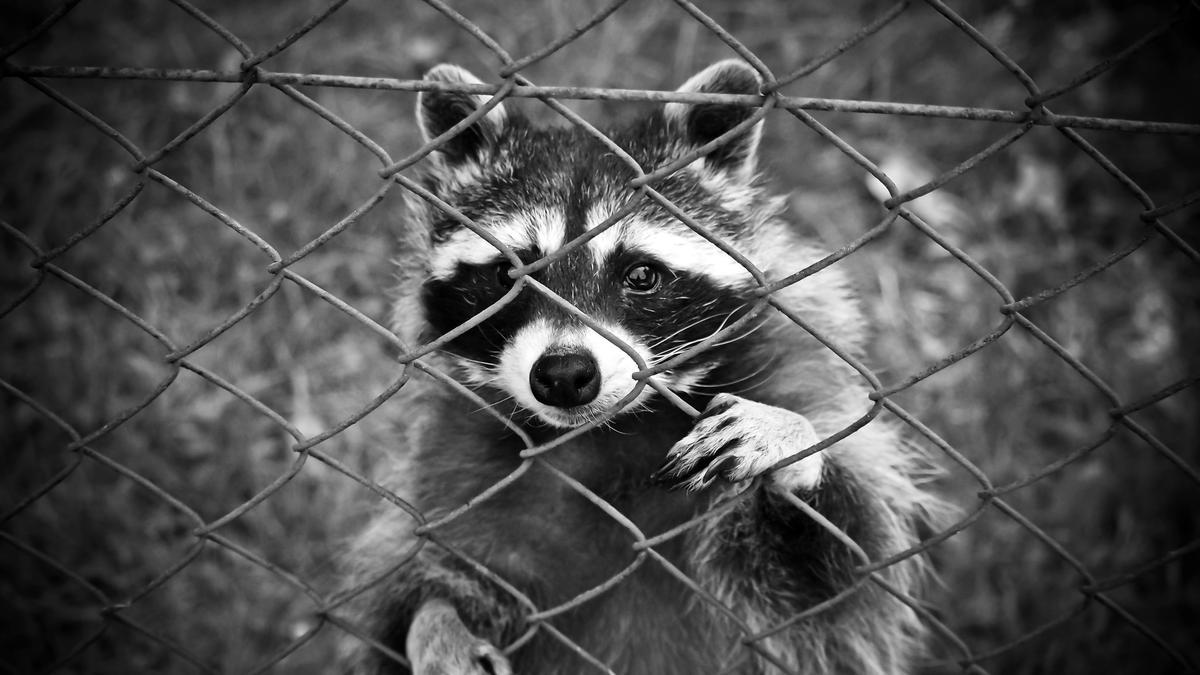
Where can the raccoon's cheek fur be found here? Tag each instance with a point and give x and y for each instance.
(568, 376)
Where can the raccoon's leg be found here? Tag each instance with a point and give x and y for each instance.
(445, 619)
(438, 643)
(767, 560)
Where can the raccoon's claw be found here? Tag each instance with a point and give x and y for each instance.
(479, 658)
(724, 466)
(706, 470)
(712, 466)
(664, 473)
(490, 660)
(737, 439)
(439, 644)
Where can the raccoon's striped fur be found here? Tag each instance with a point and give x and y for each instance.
(768, 391)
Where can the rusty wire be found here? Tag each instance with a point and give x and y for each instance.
(251, 73)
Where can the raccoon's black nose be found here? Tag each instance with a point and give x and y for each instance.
(565, 380)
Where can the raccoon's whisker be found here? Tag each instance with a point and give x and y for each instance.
(691, 343)
(745, 377)
(724, 323)
(494, 405)
(688, 327)
(738, 336)
(610, 425)
(693, 324)
(737, 380)
(476, 381)
(702, 319)
(672, 353)
(463, 364)
(742, 335)
(476, 362)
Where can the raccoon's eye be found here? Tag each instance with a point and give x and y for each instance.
(642, 278)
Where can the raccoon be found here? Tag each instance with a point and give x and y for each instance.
(720, 596)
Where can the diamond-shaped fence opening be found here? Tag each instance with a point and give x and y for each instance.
(201, 390)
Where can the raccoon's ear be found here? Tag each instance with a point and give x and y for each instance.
(703, 122)
(437, 111)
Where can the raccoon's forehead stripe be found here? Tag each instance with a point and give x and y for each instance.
(674, 244)
(542, 229)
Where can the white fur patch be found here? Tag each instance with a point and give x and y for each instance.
(549, 229)
(615, 366)
(678, 248)
(750, 437)
(540, 228)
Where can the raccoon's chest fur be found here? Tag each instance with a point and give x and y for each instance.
(554, 544)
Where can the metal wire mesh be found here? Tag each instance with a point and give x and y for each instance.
(46, 262)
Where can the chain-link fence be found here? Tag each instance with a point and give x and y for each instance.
(188, 442)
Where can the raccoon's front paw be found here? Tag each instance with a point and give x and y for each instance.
(439, 644)
(737, 439)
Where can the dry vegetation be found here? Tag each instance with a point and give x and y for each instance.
(1034, 216)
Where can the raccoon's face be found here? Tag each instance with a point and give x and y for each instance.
(652, 285)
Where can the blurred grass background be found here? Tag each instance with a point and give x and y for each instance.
(1034, 216)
